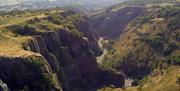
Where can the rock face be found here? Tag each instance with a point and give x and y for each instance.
(31, 72)
(73, 57)
(3, 86)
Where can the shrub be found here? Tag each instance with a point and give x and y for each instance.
(55, 18)
(23, 29)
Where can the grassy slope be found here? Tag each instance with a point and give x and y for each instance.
(16, 19)
(17, 27)
(11, 45)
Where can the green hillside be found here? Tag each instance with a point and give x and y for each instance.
(17, 27)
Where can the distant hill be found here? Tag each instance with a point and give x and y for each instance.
(44, 4)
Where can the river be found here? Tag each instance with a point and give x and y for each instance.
(100, 43)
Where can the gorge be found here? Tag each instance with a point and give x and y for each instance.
(130, 46)
(64, 57)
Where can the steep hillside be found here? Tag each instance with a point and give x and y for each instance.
(111, 22)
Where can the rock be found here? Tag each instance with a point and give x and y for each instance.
(32, 45)
(73, 56)
(48, 45)
(111, 78)
(3, 86)
(71, 68)
(32, 72)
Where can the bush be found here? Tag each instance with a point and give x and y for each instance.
(55, 18)
(23, 29)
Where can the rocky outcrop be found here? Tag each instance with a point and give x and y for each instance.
(28, 73)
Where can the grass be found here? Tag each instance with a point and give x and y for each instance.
(11, 46)
(17, 28)
(11, 20)
(116, 9)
